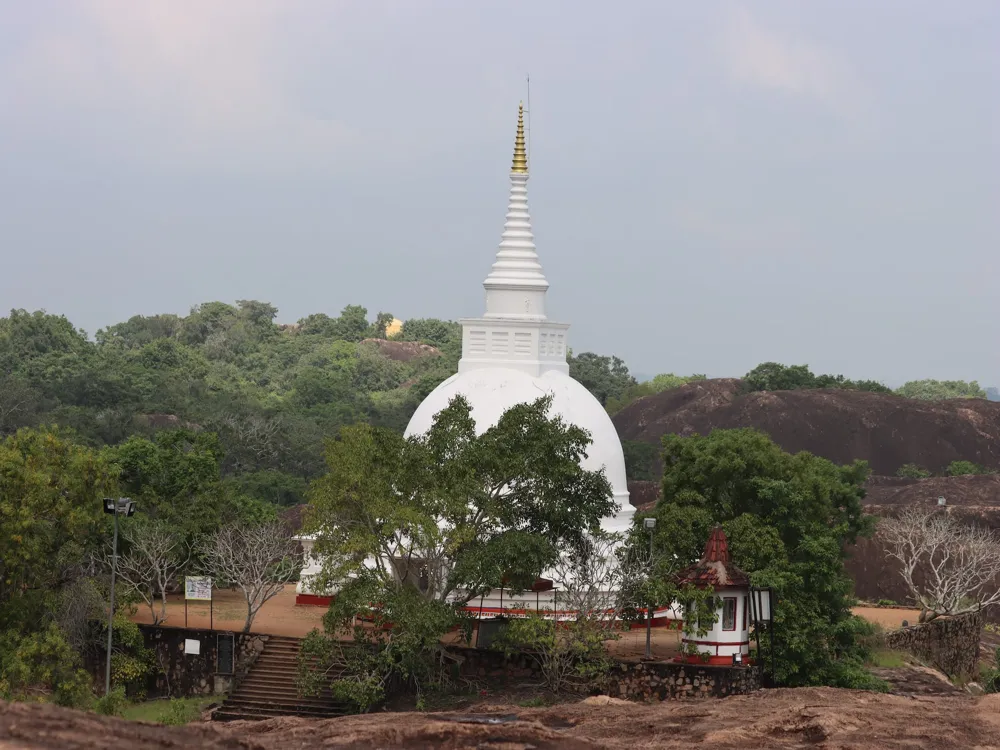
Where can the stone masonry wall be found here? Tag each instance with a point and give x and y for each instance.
(629, 680)
(180, 674)
(669, 681)
(949, 643)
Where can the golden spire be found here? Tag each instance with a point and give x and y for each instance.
(520, 159)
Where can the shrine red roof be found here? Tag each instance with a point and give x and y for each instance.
(714, 568)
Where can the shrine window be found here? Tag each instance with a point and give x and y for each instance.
(729, 613)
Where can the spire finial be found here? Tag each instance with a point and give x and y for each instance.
(520, 164)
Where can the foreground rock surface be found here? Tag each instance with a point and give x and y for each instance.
(810, 717)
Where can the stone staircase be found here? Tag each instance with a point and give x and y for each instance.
(269, 689)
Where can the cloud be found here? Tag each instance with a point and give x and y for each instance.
(171, 81)
(763, 58)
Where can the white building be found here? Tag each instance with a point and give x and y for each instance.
(514, 354)
(730, 633)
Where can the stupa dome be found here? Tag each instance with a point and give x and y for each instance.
(493, 390)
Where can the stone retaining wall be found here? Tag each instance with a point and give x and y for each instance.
(662, 681)
(630, 680)
(949, 643)
(181, 674)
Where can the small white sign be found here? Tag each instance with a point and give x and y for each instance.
(198, 588)
(192, 647)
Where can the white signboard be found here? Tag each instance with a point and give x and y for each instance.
(192, 647)
(198, 587)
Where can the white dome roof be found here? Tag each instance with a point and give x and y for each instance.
(491, 391)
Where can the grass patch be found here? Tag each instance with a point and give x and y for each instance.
(175, 711)
(536, 702)
(888, 659)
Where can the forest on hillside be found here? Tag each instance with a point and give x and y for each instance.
(256, 398)
(259, 398)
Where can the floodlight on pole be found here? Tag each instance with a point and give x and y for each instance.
(120, 506)
(649, 523)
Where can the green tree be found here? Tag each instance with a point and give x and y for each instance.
(465, 509)
(938, 390)
(640, 460)
(772, 376)
(50, 512)
(912, 471)
(605, 377)
(789, 519)
(431, 331)
(966, 468)
(444, 517)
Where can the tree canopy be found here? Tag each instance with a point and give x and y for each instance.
(455, 511)
(772, 376)
(938, 390)
(789, 519)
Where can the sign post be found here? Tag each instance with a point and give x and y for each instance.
(199, 589)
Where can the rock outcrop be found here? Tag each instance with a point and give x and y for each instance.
(883, 429)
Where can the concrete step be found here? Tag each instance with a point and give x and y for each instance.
(322, 700)
(287, 696)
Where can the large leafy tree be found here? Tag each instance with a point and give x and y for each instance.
(789, 519)
(414, 528)
(50, 512)
(454, 512)
(605, 377)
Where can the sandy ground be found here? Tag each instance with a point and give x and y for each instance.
(807, 717)
(280, 616)
(889, 617)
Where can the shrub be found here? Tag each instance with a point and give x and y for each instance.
(912, 471)
(570, 655)
(966, 468)
(112, 704)
(178, 712)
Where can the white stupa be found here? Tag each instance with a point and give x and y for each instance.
(514, 353)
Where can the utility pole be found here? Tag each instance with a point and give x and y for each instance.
(649, 523)
(114, 507)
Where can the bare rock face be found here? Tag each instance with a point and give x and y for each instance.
(885, 430)
(784, 718)
(403, 351)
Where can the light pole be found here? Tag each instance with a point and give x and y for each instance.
(649, 523)
(115, 507)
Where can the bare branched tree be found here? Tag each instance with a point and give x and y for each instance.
(252, 438)
(592, 577)
(155, 557)
(596, 581)
(950, 567)
(259, 560)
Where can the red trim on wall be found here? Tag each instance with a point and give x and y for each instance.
(712, 660)
(311, 600)
(715, 643)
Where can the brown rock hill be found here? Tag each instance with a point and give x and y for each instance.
(885, 430)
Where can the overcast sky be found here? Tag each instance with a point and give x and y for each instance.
(714, 184)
